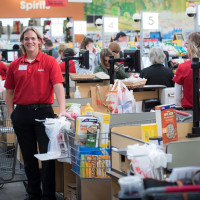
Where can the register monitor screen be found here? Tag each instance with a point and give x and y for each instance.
(12, 55)
(84, 58)
(132, 60)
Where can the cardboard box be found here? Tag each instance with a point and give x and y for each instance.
(93, 189)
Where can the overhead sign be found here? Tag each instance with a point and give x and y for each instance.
(110, 24)
(150, 20)
(57, 30)
(55, 2)
(80, 1)
(80, 27)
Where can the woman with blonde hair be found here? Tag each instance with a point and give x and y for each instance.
(184, 74)
(61, 49)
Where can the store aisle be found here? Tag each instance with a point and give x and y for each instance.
(13, 191)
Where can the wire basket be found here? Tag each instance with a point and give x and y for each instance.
(88, 162)
(77, 77)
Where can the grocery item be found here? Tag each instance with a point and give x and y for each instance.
(166, 122)
(104, 123)
(82, 125)
(77, 94)
(88, 110)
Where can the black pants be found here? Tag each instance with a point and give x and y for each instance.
(30, 132)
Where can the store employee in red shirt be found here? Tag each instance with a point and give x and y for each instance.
(72, 68)
(3, 68)
(31, 82)
(183, 77)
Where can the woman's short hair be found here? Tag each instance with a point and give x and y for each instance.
(156, 55)
(61, 48)
(105, 53)
(69, 51)
(36, 32)
(115, 48)
(85, 41)
(193, 46)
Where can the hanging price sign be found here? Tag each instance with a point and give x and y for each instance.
(150, 20)
(110, 24)
(55, 3)
(56, 30)
(80, 27)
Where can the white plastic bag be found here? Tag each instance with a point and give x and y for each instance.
(54, 128)
(124, 99)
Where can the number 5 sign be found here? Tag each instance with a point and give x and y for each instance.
(150, 20)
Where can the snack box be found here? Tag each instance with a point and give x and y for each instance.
(166, 122)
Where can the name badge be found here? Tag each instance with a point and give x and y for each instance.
(22, 67)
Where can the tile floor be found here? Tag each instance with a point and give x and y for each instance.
(13, 191)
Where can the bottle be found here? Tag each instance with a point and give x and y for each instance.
(88, 110)
(77, 94)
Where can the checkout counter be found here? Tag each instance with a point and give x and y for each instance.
(124, 128)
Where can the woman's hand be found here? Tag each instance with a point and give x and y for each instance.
(116, 68)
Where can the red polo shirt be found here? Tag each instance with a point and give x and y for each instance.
(33, 82)
(184, 77)
(3, 70)
(72, 68)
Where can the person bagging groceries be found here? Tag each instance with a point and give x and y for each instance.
(30, 85)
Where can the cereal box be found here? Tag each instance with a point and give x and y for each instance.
(166, 122)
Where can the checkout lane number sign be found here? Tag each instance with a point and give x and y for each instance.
(80, 27)
(110, 24)
(150, 20)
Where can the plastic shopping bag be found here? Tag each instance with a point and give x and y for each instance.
(56, 131)
(120, 99)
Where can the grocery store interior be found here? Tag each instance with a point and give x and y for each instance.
(132, 94)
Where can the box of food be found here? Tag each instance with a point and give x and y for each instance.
(83, 124)
(166, 122)
(104, 124)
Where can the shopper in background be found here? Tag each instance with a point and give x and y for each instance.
(30, 84)
(122, 39)
(61, 49)
(157, 73)
(104, 66)
(3, 68)
(51, 51)
(115, 48)
(184, 74)
(88, 44)
(17, 47)
(72, 68)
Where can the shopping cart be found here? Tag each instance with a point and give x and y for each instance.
(186, 192)
(11, 169)
(189, 192)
